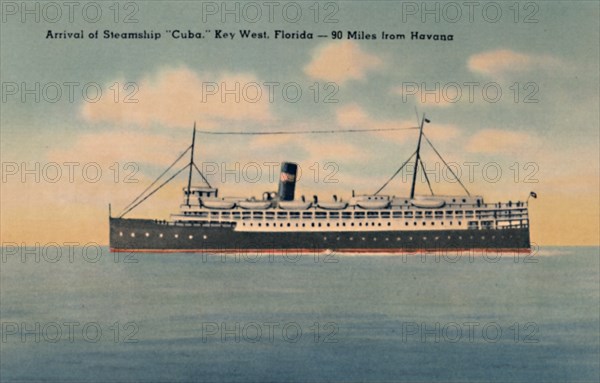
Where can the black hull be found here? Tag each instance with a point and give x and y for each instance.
(196, 238)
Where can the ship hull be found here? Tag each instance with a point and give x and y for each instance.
(128, 235)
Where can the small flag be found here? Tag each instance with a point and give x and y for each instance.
(533, 194)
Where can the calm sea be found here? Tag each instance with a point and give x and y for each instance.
(89, 316)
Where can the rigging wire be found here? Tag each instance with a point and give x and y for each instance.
(155, 190)
(155, 181)
(395, 174)
(201, 175)
(426, 177)
(286, 132)
(445, 163)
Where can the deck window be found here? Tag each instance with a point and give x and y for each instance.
(307, 214)
(359, 214)
(334, 215)
(373, 214)
(270, 215)
(321, 215)
(282, 214)
(346, 215)
(294, 215)
(396, 214)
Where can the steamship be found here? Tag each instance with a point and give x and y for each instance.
(281, 222)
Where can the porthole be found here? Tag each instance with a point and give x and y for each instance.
(389, 224)
(352, 238)
(410, 238)
(405, 223)
(132, 235)
(160, 235)
(176, 235)
(204, 237)
(191, 237)
(120, 234)
(397, 238)
(363, 238)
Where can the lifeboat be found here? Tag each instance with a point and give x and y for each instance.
(332, 205)
(428, 203)
(294, 205)
(255, 205)
(373, 204)
(218, 204)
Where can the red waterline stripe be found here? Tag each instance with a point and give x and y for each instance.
(312, 251)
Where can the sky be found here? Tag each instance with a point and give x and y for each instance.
(511, 90)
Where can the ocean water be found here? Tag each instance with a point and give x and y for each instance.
(102, 317)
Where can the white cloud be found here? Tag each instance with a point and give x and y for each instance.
(340, 62)
(496, 141)
(354, 116)
(502, 61)
(178, 97)
(106, 148)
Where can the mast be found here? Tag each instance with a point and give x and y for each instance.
(189, 185)
(417, 158)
